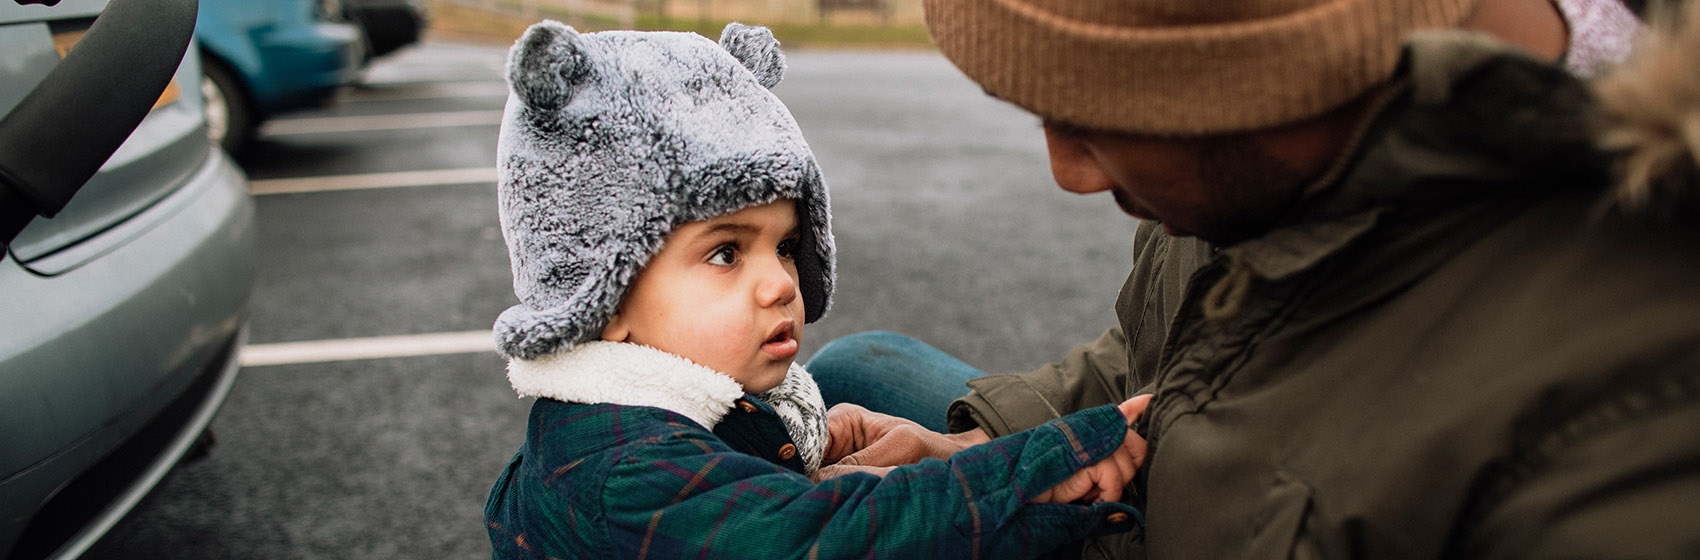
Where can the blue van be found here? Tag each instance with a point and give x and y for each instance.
(264, 57)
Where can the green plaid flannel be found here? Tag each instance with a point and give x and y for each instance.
(611, 481)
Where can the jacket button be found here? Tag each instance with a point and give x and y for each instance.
(1117, 517)
(787, 451)
(747, 406)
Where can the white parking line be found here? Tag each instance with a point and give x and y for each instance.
(313, 351)
(363, 123)
(392, 180)
(424, 90)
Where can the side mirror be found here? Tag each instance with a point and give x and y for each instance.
(65, 129)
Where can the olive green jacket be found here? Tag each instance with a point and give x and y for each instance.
(1453, 348)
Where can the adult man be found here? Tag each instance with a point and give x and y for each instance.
(1398, 309)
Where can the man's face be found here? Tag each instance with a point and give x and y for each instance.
(722, 293)
(1222, 189)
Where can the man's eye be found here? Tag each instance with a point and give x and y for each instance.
(723, 255)
(1066, 130)
(787, 249)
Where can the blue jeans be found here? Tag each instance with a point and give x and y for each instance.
(892, 374)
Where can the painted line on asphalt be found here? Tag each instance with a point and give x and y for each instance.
(372, 348)
(391, 180)
(365, 123)
(405, 91)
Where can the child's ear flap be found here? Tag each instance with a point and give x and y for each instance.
(755, 46)
(616, 330)
(546, 64)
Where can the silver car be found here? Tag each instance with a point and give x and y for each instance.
(121, 314)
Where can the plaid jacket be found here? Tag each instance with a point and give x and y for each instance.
(623, 481)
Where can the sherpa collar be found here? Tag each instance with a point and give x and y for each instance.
(602, 372)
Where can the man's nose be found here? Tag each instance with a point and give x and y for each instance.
(1072, 164)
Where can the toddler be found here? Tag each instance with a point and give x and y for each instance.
(669, 235)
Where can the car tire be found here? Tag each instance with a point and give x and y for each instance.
(201, 449)
(230, 118)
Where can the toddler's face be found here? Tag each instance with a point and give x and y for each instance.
(722, 293)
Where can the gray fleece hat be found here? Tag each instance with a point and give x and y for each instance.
(612, 139)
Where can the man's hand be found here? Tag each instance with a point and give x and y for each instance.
(861, 440)
(1104, 480)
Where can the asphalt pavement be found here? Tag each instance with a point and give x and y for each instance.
(377, 218)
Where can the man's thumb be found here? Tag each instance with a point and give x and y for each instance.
(1132, 408)
(833, 471)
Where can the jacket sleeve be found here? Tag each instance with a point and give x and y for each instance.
(1610, 489)
(1089, 375)
(690, 496)
(1121, 363)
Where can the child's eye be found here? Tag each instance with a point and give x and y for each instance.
(787, 249)
(724, 255)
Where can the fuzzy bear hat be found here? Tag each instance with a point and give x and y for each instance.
(610, 140)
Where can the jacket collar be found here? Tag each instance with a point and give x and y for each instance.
(601, 372)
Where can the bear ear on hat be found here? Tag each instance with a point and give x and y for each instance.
(545, 64)
(755, 46)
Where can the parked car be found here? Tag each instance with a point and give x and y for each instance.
(264, 57)
(388, 25)
(123, 298)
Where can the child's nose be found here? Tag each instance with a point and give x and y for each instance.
(777, 285)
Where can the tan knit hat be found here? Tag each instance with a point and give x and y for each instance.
(1183, 67)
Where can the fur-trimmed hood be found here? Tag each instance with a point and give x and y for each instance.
(602, 372)
(1651, 112)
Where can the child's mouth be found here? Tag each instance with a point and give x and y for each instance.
(781, 345)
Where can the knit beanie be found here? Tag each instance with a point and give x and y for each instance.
(611, 140)
(1180, 67)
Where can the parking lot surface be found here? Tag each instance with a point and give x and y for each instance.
(372, 416)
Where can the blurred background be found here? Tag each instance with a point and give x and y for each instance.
(371, 415)
(803, 22)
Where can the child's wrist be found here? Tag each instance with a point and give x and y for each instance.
(1100, 430)
(970, 438)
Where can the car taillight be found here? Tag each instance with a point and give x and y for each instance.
(64, 41)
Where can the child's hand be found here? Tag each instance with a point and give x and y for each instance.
(861, 440)
(1104, 480)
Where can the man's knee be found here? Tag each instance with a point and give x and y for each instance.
(851, 354)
